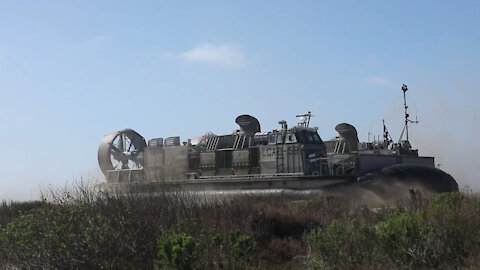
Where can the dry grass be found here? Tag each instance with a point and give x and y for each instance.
(83, 227)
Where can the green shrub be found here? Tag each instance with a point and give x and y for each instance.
(446, 203)
(455, 220)
(183, 251)
(344, 245)
(243, 248)
(59, 237)
(12, 210)
(409, 240)
(178, 251)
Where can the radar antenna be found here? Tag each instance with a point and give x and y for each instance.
(304, 120)
(407, 119)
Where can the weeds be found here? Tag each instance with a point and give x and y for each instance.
(89, 228)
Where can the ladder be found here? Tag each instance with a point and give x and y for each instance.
(279, 158)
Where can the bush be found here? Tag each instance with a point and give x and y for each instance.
(409, 240)
(59, 237)
(442, 234)
(183, 251)
(179, 251)
(455, 220)
(344, 245)
(12, 210)
(87, 229)
(242, 248)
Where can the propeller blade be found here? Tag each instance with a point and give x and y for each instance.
(121, 144)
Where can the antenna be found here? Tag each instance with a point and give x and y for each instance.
(407, 120)
(304, 119)
(386, 135)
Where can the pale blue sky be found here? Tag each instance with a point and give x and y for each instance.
(72, 72)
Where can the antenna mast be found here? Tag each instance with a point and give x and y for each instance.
(407, 120)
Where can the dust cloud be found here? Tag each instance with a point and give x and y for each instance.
(450, 133)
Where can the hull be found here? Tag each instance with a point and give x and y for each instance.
(386, 186)
(248, 185)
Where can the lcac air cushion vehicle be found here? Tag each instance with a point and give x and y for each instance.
(289, 160)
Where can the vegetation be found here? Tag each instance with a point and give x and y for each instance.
(87, 228)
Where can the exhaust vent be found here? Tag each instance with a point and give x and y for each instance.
(348, 135)
(248, 124)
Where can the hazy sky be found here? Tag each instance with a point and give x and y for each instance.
(71, 72)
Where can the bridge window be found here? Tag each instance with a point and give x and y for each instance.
(308, 137)
(301, 137)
